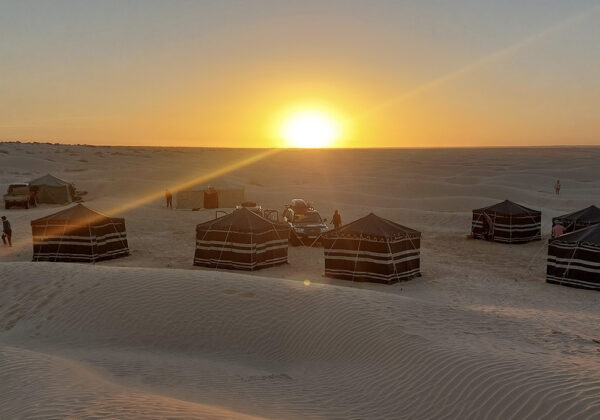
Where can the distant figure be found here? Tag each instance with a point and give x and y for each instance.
(33, 197)
(488, 227)
(336, 220)
(557, 187)
(558, 230)
(6, 231)
(169, 198)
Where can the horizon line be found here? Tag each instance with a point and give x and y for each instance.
(546, 146)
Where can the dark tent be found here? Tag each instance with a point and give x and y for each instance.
(52, 190)
(372, 249)
(574, 259)
(579, 219)
(78, 234)
(241, 240)
(507, 222)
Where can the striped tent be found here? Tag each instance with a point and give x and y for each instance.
(78, 234)
(372, 249)
(579, 219)
(574, 259)
(507, 222)
(241, 240)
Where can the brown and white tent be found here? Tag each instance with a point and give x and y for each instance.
(574, 259)
(579, 219)
(78, 234)
(241, 240)
(507, 222)
(372, 249)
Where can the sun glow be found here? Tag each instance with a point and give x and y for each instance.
(307, 129)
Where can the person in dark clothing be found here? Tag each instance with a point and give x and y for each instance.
(6, 231)
(33, 197)
(488, 227)
(169, 198)
(336, 220)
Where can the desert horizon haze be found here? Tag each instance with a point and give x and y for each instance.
(380, 74)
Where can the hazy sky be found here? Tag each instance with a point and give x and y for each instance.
(225, 73)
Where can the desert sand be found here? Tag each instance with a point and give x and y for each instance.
(479, 335)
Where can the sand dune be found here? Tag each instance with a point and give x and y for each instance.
(480, 335)
(117, 337)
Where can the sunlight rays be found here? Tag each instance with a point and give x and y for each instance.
(26, 241)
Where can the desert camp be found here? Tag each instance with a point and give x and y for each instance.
(574, 259)
(299, 210)
(190, 297)
(52, 190)
(78, 234)
(241, 240)
(579, 219)
(506, 222)
(372, 249)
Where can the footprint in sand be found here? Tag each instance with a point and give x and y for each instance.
(230, 292)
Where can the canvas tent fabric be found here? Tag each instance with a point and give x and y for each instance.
(78, 234)
(507, 222)
(372, 249)
(52, 190)
(579, 219)
(241, 240)
(574, 259)
(226, 198)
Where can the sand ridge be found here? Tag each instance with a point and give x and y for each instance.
(276, 348)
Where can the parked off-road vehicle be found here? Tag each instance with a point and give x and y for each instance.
(306, 227)
(18, 194)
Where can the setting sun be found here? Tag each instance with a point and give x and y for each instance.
(306, 129)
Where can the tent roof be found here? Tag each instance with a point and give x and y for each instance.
(373, 225)
(589, 234)
(510, 208)
(589, 214)
(240, 219)
(78, 212)
(49, 179)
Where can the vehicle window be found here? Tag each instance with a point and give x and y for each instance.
(18, 189)
(307, 218)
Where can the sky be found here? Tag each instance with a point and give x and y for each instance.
(398, 73)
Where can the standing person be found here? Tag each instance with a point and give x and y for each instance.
(336, 220)
(6, 231)
(169, 198)
(558, 230)
(33, 196)
(488, 227)
(557, 187)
